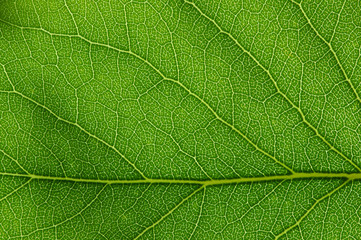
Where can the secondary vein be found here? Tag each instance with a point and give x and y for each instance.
(165, 78)
(315, 130)
(310, 209)
(329, 46)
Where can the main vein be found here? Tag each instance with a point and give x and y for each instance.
(294, 176)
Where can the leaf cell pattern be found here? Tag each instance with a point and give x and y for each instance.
(180, 119)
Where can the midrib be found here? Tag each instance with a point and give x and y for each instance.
(348, 176)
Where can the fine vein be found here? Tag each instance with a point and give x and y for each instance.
(165, 78)
(310, 209)
(276, 85)
(330, 47)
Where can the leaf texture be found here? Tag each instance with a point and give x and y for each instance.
(180, 119)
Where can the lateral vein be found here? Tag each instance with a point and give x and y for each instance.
(315, 130)
(165, 78)
(310, 209)
(330, 46)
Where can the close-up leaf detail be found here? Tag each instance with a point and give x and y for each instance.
(180, 119)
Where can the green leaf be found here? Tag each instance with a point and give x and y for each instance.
(180, 120)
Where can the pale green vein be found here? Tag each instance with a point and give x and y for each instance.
(349, 176)
(16, 189)
(175, 207)
(72, 16)
(180, 148)
(337, 22)
(7, 76)
(310, 209)
(169, 212)
(14, 160)
(276, 85)
(171, 39)
(165, 78)
(170, 135)
(78, 126)
(231, 126)
(70, 218)
(258, 202)
(330, 47)
(200, 213)
(50, 151)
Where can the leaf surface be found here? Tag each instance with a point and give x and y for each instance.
(180, 120)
